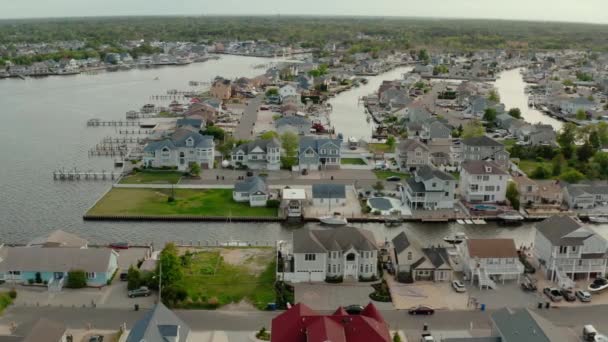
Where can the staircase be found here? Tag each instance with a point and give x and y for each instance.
(484, 279)
(55, 285)
(563, 280)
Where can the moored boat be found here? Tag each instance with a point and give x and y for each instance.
(455, 239)
(598, 219)
(333, 220)
(511, 216)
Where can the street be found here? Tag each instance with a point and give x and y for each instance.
(250, 116)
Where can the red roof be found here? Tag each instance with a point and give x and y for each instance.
(301, 324)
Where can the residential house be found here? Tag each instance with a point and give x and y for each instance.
(504, 120)
(329, 194)
(47, 330)
(483, 181)
(435, 132)
(571, 106)
(569, 251)
(485, 148)
(418, 115)
(517, 325)
(221, 89)
(478, 105)
(292, 202)
(314, 255)
(206, 111)
(537, 134)
(538, 192)
(420, 263)
(160, 325)
(59, 238)
(486, 260)
(193, 124)
(294, 124)
(288, 90)
(253, 190)
(51, 265)
(586, 195)
(315, 153)
(258, 155)
(181, 149)
(429, 189)
(412, 154)
(301, 324)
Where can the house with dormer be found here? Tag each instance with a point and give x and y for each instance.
(258, 155)
(420, 264)
(429, 189)
(316, 153)
(252, 190)
(412, 154)
(180, 150)
(160, 325)
(483, 182)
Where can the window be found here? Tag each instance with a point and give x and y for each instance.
(446, 194)
(409, 255)
(563, 249)
(310, 257)
(489, 187)
(474, 187)
(15, 273)
(366, 268)
(90, 275)
(338, 268)
(486, 178)
(361, 268)
(333, 268)
(573, 249)
(328, 268)
(434, 185)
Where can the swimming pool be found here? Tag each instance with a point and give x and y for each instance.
(485, 207)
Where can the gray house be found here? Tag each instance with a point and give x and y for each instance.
(412, 154)
(160, 325)
(324, 194)
(537, 134)
(429, 189)
(253, 190)
(293, 124)
(258, 155)
(421, 263)
(586, 195)
(485, 148)
(182, 148)
(317, 153)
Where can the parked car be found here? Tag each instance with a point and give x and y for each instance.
(393, 178)
(568, 295)
(119, 245)
(143, 291)
(458, 286)
(96, 338)
(354, 309)
(123, 276)
(421, 310)
(528, 284)
(583, 296)
(554, 294)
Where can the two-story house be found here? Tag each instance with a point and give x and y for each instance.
(436, 133)
(180, 150)
(412, 154)
(317, 153)
(258, 155)
(537, 134)
(420, 264)
(221, 89)
(288, 90)
(429, 189)
(568, 251)
(487, 260)
(483, 181)
(485, 148)
(317, 254)
(586, 195)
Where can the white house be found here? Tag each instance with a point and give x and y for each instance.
(420, 263)
(429, 189)
(258, 155)
(292, 202)
(181, 149)
(486, 260)
(253, 190)
(288, 90)
(483, 181)
(329, 194)
(569, 251)
(586, 195)
(316, 254)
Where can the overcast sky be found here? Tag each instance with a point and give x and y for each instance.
(591, 11)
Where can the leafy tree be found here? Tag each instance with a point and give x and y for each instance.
(572, 176)
(515, 112)
(269, 135)
(568, 83)
(513, 195)
(565, 139)
(584, 77)
(594, 140)
(423, 55)
(378, 186)
(441, 69)
(289, 142)
(494, 96)
(173, 294)
(195, 169)
(171, 264)
(77, 279)
(585, 152)
(217, 133)
(540, 173)
(134, 279)
(557, 162)
(489, 115)
(272, 92)
(581, 115)
(473, 129)
(601, 160)
(390, 142)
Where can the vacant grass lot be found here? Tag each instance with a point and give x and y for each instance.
(209, 276)
(378, 148)
(381, 174)
(169, 177)
(352, 161)
(208, 202)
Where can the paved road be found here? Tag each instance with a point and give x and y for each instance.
(250, 116)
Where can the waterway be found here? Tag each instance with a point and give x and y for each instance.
(43, 129)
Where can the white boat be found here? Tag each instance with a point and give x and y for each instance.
(467, 221)
(460, 221)
(456, 239)
(234, 243)
(333, 220)
(511, 216)
(598, 219)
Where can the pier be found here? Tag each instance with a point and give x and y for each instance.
(99, 122)
(134, 131)
(75, 175)
(122, 140)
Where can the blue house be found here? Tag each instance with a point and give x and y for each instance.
(316, 153)
(51, 265)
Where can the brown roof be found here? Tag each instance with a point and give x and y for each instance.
(492, 248)
(482, 167)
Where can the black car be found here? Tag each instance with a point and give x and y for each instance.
(354, 309)
(568, 295)
(123, 276)
(96, 338)
(393, 178)
(421, 310)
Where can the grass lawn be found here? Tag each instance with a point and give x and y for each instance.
(509, 143)
(169, 177)
(381, 174)
(528, 166)
(352, 161)
(207, 202)
(456, 175)
(210, 276)
(377, 148)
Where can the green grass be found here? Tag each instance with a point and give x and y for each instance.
(5, 301)
(381, 174)
(378, 148)
(209, 276)
(207, 202)
(352, 161)
(159, 177)
(456, 175)
(509, 143)
(528, 166)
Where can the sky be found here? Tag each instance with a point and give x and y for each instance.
(587, 11)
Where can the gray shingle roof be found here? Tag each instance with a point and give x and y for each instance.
(521, 325)
(251, 185)
(196, 123)
(415, 186)
(159, 325)
(411, 145)
(59, 238)
(438, 130)
(26, 259)
(556, 230)
(293, 121)
(481, 141)
(318, 144)
(401, 242)
(179, 139)
(482, 167)
(437, 256)
(308, 240)
(328, 191)
(426, 172)
(261, 143)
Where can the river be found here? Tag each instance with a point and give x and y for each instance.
(43, 129)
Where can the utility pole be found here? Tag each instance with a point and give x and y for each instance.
(160, 279)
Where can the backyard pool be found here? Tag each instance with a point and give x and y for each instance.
(387, 205)
(485, 207)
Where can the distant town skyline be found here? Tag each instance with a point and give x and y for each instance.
(587, 11)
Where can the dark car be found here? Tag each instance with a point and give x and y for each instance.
(123, 276)
(528, 284)
(140, 292)
(554, 294)
(421, 310)
(354, 309)
(119, 245)
(393, 178)
(568, 295)
(96, 338)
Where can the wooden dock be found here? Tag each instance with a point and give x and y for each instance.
(134, 131)
(76, 175)
(117, 123)
(123, 140)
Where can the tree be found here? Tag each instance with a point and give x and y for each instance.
(473, 129)
(396, 337)
(195, 169)
(423, 55)
(289, 142)
(378, 186)
(557, 164)
(568, 83)
(134, 279)
(173, 293)
(390, 142)
(565, 139)
(272, 92)
(513, 195)
(594, 140)
(572, 176)
(585, 152)
(489, 115)
(269, 135)
(216, 132)
(441, 69)
(540, 173)
(171, 264)
(77, 279)
(515, 112)
(494, 96)
(601, 160)
(581, 115)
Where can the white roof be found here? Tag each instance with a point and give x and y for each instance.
(294, 194)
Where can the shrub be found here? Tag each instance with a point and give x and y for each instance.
(381, 292)
(12, 293)
(376, 212)
(273, 203)
(170, 199)
(134, 280)
(263, 335)
(30, 281)
(77, 279)
(334, 279)
(396, 337)
(367, 279)
(38, 279)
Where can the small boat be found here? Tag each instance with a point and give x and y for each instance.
(333, 220)
(393, 221)
(511, 216)
(234, 243)
(467, 221)
(456, 239)
(459, 221)
(598, 219)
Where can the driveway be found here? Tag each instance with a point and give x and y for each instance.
(323, 296)
(439, 295)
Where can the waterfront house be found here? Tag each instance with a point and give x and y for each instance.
(182, 148)
(194, 124)
(51, 265)
(538, 192)
(59, 238)
(160, 325)
(412, 154)
(314, 255)
(221, 89)
(329, 194)
(301, 324)
(486, 260)
(586, 195)
(46, 330)
(253, 190)
(568, 251)
(292, 202)
(571, 106)
(258, 155)
(317, 153)
(207, 111)
(435, 132)
(294, 124)
(429, 189)
(537, 134)
(485, 148)
(288, 90)
(420, 264)
(482, 181)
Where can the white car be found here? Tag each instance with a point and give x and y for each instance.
(458, 286)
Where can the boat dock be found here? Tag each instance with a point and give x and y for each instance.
(75, 175)
(99, 122)
(134, 131)
(122, 140)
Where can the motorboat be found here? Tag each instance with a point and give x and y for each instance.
(234, 243)
(598, 285)
(455, 239)
(393, 221)
(333, 220)
(598, 219)
(511, 216)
